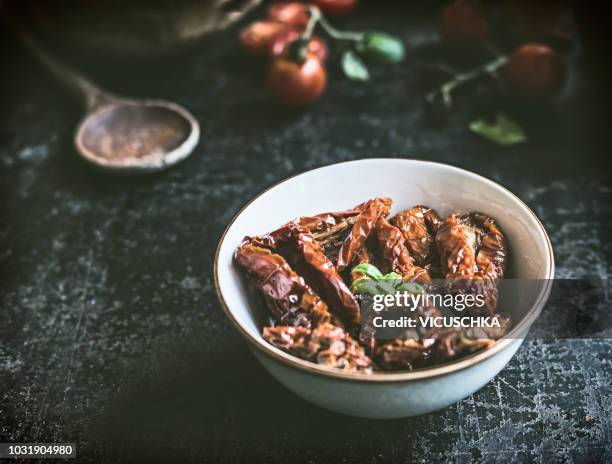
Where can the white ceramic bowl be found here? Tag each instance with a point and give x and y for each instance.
(408, 182)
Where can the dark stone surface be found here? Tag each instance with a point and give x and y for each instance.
(111, 333)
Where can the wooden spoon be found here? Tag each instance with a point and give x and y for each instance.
(122, 134)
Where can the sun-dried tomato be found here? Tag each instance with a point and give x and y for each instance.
(395, 255)
(473, 253)
(290, 300)
(306, 256)
(327, 344)
(373, 210)
(419, 226)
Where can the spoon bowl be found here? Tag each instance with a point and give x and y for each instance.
(136, 135)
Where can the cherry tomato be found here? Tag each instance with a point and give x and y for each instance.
(462, 24)
(297, 84)
(335, 7)
(293, 13)
(316, 46)
(258, 36)
(535, 72)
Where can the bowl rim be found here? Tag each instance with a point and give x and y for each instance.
(387, 377)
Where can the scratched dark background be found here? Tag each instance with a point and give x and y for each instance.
(111, 335)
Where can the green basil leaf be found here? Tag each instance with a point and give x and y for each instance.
(410, 287)
(381, 47)
(354, 67)
(385, 287)
(357, 284)
(369, 270)
(392, 276)
(365, 285)
(504, 131)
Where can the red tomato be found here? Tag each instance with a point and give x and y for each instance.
(258, 36)
(316, 46)
(297, 84)
(335, 7)
(293, 13)
(536, 72)
(462, 23)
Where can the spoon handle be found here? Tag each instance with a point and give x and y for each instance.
(92, 95)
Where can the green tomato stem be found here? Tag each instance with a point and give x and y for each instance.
(490, 67)
(315, 17)
(337, 34)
